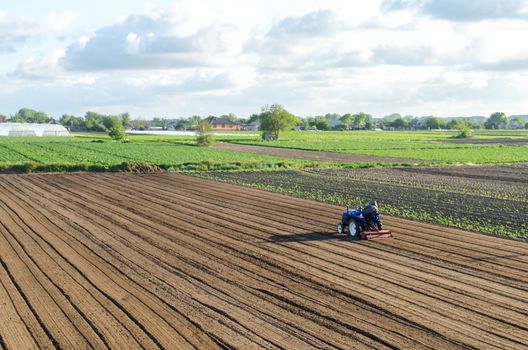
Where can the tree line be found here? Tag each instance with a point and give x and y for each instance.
(93, 121)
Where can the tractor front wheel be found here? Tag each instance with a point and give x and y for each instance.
(353, 229)
(340, 228)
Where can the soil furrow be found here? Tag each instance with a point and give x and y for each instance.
(145, 263)
(12, 326)
(92, 306)
(126, 303)
(85, 243)
(488, 266)
(168, 260)
(226, 205)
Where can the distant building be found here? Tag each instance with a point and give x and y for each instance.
(253, 126)
(2, 118)
(32, 129)
(223, 124)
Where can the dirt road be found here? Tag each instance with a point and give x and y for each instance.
(312, 155)
(168, 261)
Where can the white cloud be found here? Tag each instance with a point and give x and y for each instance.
(46, 70)
(58, 21)
(474, 80)
(157, 40)
(466, 10)
(15, 31)
(200, 56)
(43, 68)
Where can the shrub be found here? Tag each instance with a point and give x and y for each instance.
(117, 131)
(137, 167)
(204, 139)
(464, 129)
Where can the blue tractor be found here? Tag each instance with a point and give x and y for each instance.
(363, 223)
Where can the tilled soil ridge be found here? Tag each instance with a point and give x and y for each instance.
(167, 261)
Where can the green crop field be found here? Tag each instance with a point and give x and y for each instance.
(428, 146)
(100, 153)
(466, 197)
(431, 194)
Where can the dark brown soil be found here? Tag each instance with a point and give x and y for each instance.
(512, 173)
(167, 261)
(487, 199)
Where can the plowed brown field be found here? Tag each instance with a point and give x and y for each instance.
(174, 262)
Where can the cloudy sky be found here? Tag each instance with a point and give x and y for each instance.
(179, 58)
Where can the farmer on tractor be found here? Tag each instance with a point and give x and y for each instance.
(363, 223)
(368, 212)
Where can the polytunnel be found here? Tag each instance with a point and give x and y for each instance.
(32, 129)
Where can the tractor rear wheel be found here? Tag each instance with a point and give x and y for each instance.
(353, 229)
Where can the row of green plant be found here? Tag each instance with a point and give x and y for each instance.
(454, 180)
(174, 151)
(418, 215)
(168, 152)
(72, 151)
(418, 145)
(142, 167)
(460, 210)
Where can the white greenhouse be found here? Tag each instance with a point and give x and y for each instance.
(32, 129)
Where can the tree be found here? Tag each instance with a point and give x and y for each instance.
(400, 123)
(346, 120)
(451, 124)
(203, 129)
(165, 124)
(434, 122)
(517, 122)
(139, 124)
(388, 119)
(369, 123)
(26, 115)
(308, 123)
(71, 122)
(194, 121)
(321, 123)
(464, 128)
(117, 131)
(66, 120)
(125, 119)
(253, 119)
(182, 124)
(526, 126)
(107, 121)
(497, 120)
(359, 120)
(94, 121)
(157, 121)
(274, 119)
(415, 122)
